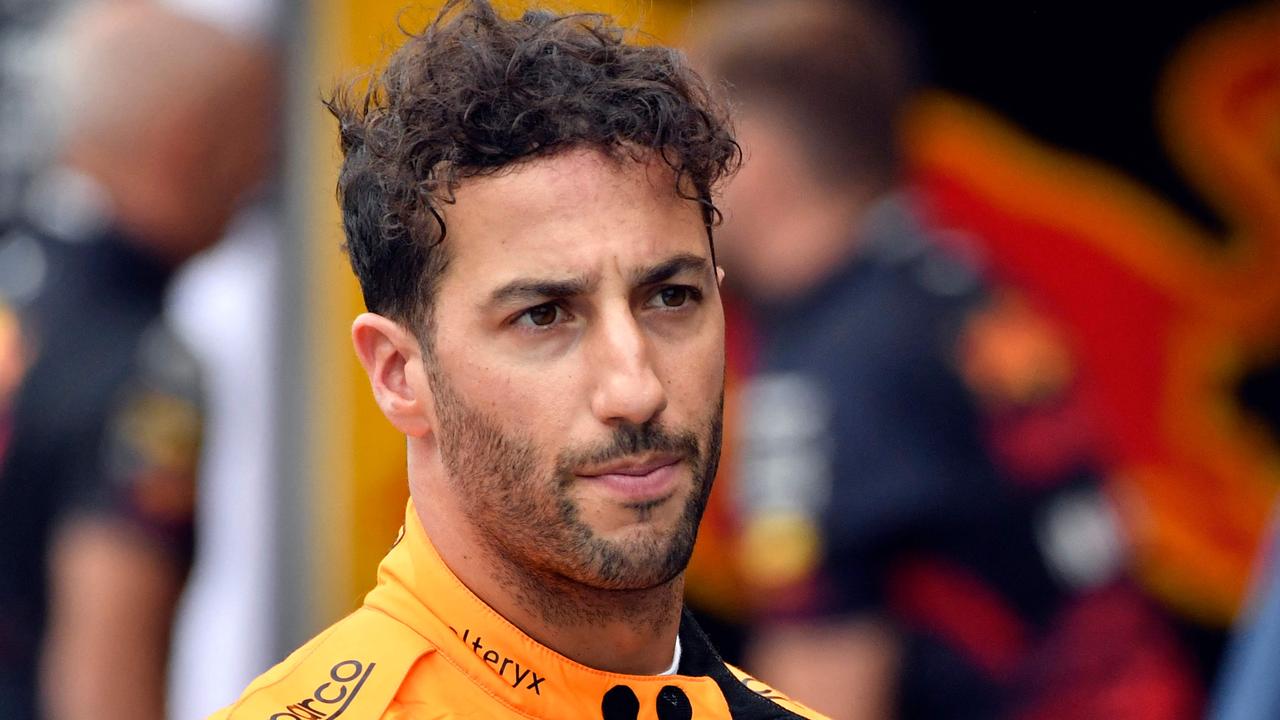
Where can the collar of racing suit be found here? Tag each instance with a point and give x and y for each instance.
(416, 588)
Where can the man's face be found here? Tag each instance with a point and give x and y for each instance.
(578, 367)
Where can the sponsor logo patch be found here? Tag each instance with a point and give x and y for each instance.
(509, 669)
(330, 699)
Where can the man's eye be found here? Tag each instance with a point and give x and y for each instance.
(674, 296)
(540, 316)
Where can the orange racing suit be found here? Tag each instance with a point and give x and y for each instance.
(424, 647)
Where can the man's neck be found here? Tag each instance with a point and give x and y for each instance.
(631, 631)
(623, 631)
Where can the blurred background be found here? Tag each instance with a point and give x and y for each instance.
(1003, 416)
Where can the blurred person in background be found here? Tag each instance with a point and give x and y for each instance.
(216, 306)
(921, 546)
(164, 124)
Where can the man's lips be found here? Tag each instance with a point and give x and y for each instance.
(637, 479)
(636, 466)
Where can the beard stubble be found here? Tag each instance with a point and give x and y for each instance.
(524, 512)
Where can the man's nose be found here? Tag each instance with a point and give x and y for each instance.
(627, 387)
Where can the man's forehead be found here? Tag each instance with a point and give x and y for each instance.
(577, 174)
(575, 213)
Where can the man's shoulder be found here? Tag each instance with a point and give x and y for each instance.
(354, 668)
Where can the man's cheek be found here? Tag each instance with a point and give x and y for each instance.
(713, 368)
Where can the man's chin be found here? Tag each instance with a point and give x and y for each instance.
(631, 530)
(640, 557)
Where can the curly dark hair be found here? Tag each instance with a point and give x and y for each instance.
(475, 93)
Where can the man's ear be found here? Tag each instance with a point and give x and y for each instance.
(719, 275)
(392, 358)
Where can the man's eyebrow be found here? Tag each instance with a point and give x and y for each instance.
(539, 290)
(683, 263)
(522, 290)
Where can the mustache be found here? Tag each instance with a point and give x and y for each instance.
(629, 440)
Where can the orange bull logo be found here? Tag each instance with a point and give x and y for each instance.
(1164, 318)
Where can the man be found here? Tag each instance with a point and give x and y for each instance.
(816, 86)
(528, 208)
(100, 412)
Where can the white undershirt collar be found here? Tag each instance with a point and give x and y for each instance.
(675, 661)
